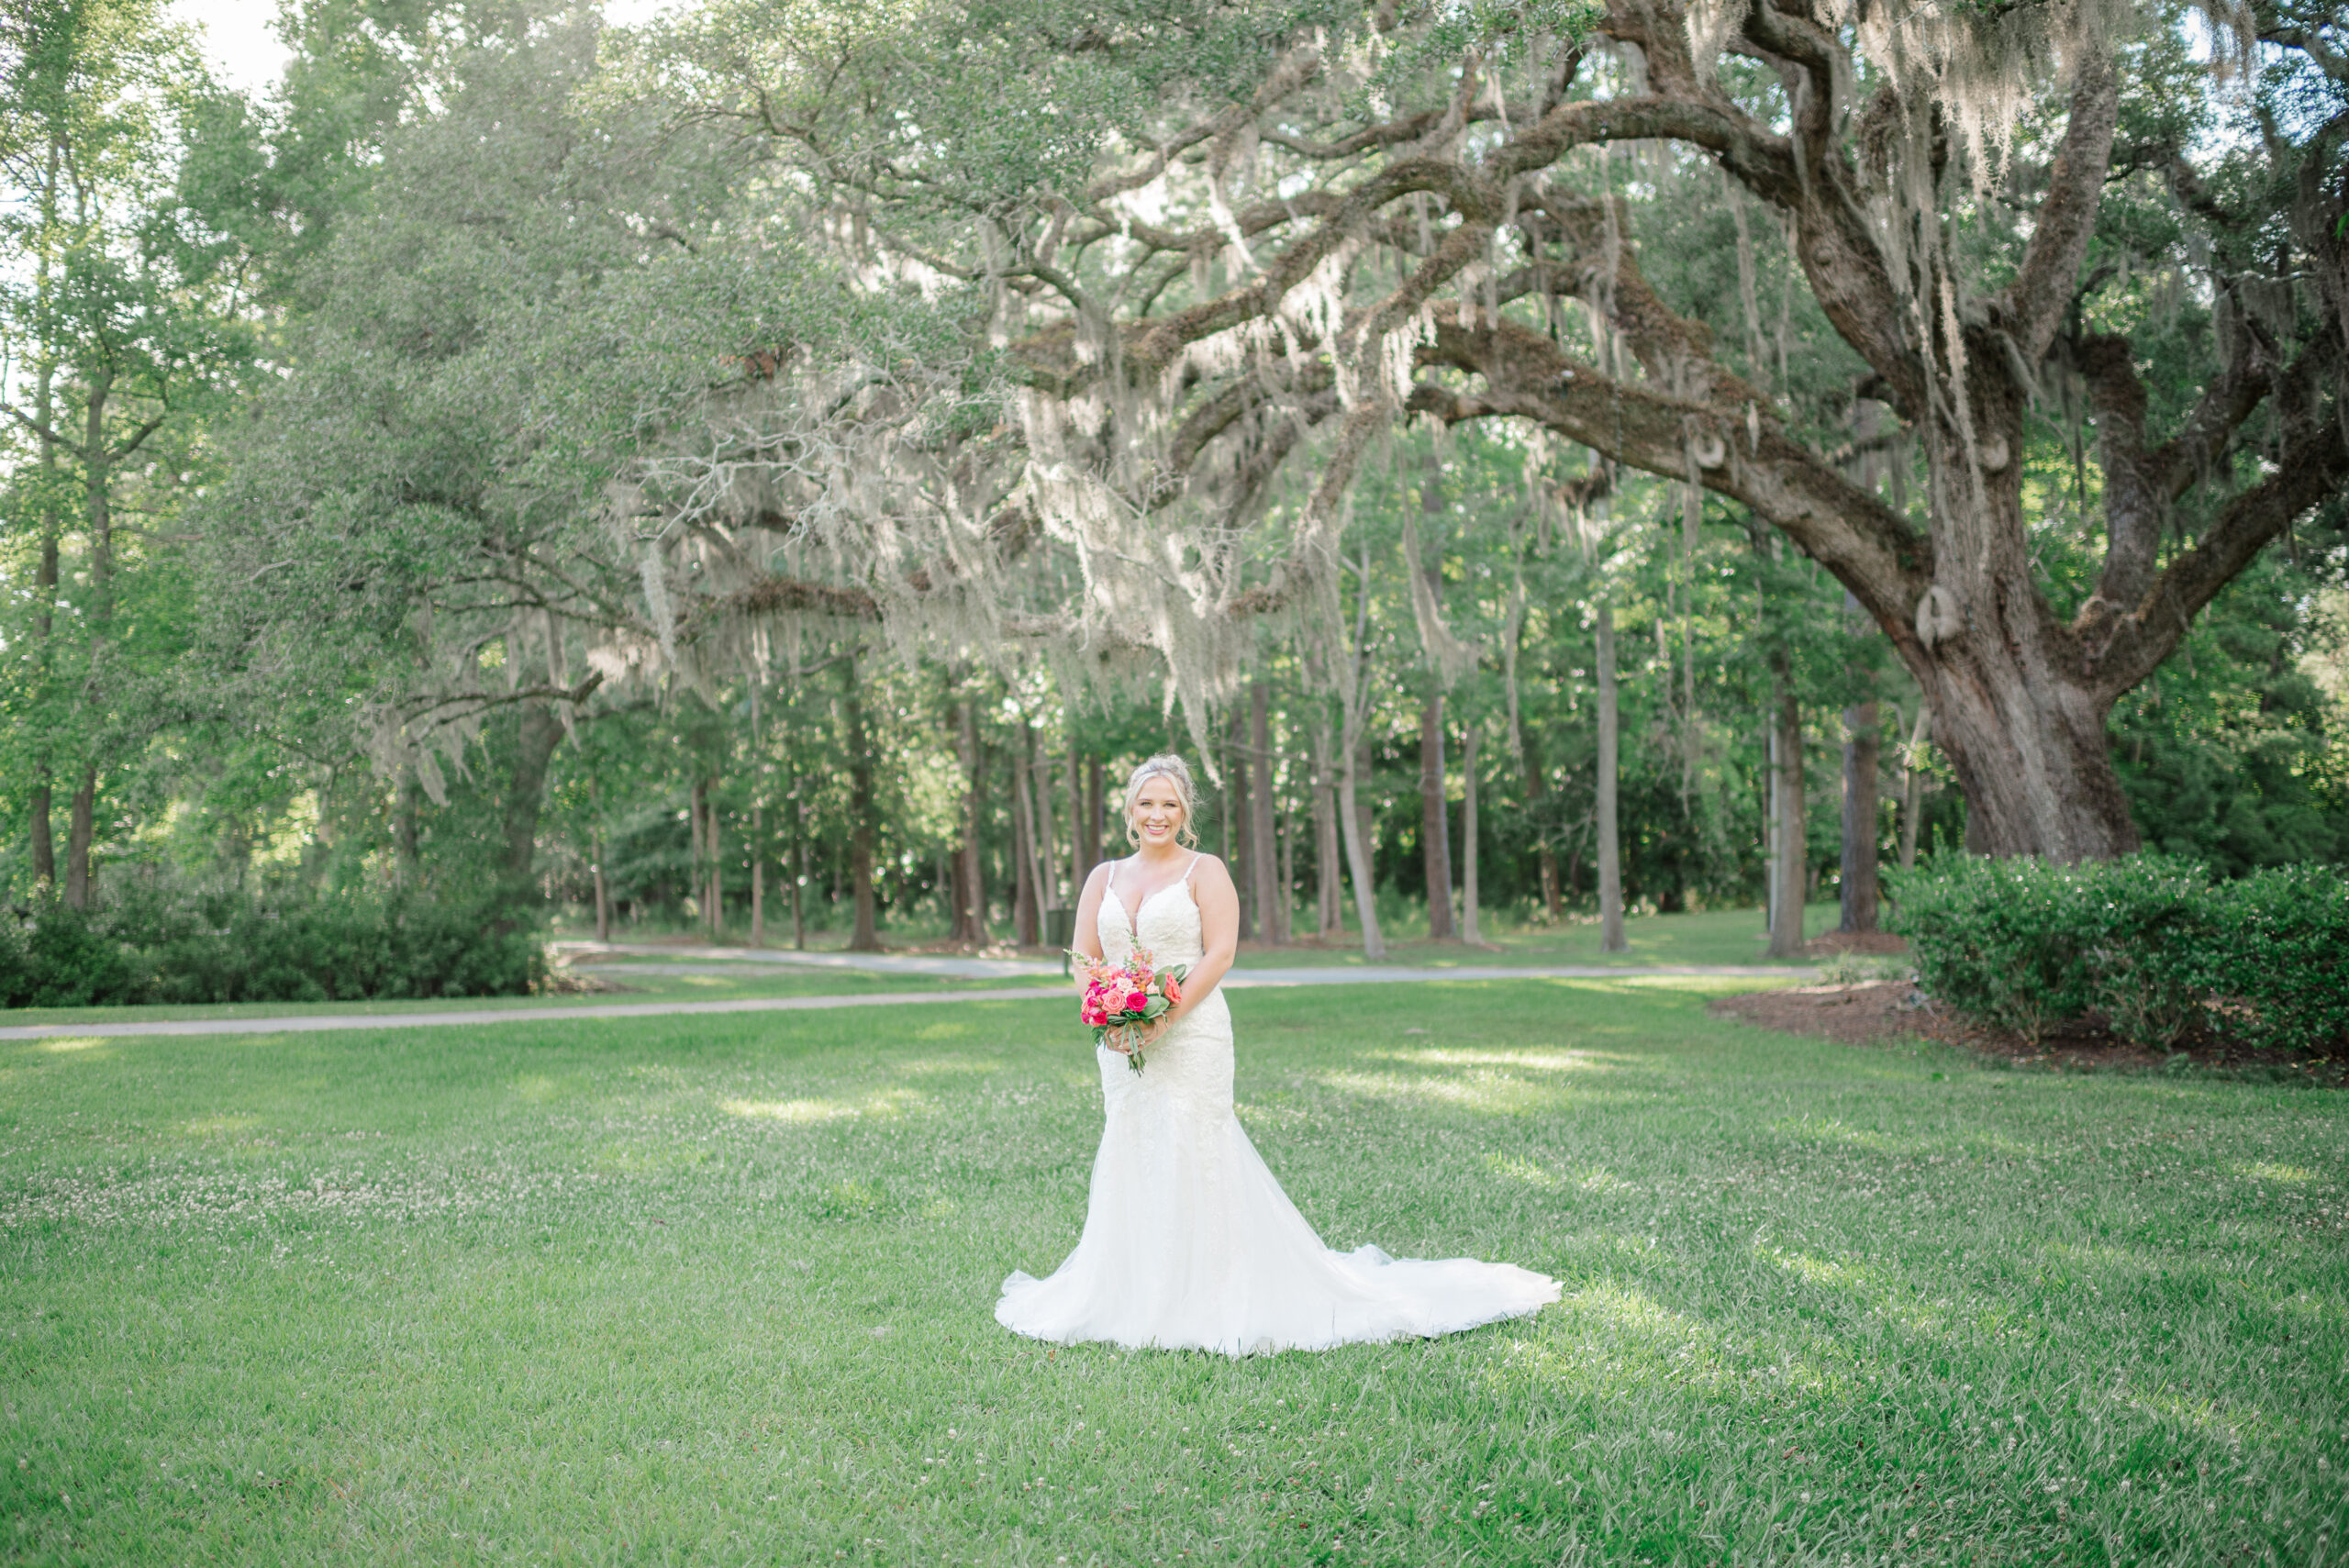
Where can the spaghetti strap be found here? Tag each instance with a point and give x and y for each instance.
(1188, 870)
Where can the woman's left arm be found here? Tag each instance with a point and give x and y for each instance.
(1218, 903)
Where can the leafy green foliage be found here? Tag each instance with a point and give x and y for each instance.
(287, 948)
(2148, 943)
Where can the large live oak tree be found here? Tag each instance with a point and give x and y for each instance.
(1228, 248)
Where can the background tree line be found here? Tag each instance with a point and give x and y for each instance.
(629, 468)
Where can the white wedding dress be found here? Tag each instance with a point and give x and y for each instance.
(1190, 1244)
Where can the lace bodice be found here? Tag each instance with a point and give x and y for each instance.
(1168, 924)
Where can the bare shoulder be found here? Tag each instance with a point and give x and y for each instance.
(1211, 871)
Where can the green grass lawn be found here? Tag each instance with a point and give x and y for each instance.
(718, 1291)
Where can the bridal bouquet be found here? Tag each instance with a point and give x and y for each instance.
(1120, 998)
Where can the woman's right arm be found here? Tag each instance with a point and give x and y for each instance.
(1087, 940)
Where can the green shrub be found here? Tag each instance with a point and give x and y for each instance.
(2279, 969)
(2146, 943)
(283, 947)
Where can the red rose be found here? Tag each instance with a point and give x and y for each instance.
(1137, 1002)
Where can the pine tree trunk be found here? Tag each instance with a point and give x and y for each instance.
(865, 814)
(1353, 817)
(1330, 922)
(1025, 899)
(603, 895)
(1240, 823)
(1263, 861)
(1793, 857)
(1080, 866)
(1471, 930)
(970, 923)
(1093, 806)
(1038, 779)
(1859, 868)
(715, 903)
(1435, 820)
(1610, 847)
(1537, 801)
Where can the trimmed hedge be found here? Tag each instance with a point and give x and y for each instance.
(2150, 945)
(223, 949)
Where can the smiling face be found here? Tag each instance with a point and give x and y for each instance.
(1157, 812)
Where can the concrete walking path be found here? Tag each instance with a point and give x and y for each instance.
(1243, 980)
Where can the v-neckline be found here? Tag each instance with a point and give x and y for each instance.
(1133, 915)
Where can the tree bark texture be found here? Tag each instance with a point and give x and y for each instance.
(1793, 858)
(1610, 846)
(971, 911)
(79, 829)
(1435, 820)
(1537, 800)
(1859, 868)
(1240, 822)
(535, 735)
(1471, 930)
(1026, 909)
(1095, 806)
(864, 814)
(1354, 817)
(1327, 907)
(1264, 860)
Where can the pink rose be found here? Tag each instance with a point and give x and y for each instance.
(1136, 1002)
(1095, 1017)
(1172, 987)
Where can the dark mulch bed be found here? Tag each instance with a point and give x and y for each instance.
(1860, 1015)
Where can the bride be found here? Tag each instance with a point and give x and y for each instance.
(1189, 1242)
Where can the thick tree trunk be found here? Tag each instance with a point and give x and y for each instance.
(2031, 753)
(1793, 858)
(1859, 883)
(1353, 817)
(1263, 859)
(80, 829)
(1537, 800)
(1610, 844)
(864, 813)
(1471, 930)
(535, 737)
(1435, 820)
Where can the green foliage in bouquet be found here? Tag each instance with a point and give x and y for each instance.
(2147, 943)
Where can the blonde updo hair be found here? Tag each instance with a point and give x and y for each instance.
(1174, 771)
